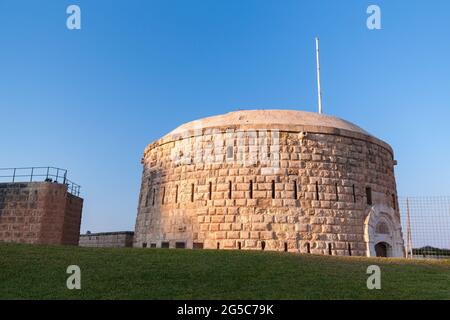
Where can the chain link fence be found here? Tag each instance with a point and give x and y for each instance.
(426, 227)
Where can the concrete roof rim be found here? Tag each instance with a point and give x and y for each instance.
(267, 116)
(190, 133)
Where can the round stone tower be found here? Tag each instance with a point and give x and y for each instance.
(270, 180)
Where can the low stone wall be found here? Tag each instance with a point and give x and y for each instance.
(107, 239)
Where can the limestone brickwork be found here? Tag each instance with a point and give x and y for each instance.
(270, 180)
(39, 213)
(120, 239)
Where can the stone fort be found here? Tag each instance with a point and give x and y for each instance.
(270, 180)
(39, 206)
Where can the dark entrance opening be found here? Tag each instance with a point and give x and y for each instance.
(197, 245)
(381, 249)
(263, 245)
(180, 245)
(285, 247)
(165, 245)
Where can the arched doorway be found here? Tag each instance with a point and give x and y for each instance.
(383, 233)
(381, 249)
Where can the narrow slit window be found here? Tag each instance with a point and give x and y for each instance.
(176, 194)
(218, 245)
(308, 248)
(153, 200)
(349, 249)
(163, 195)
(295, 189)
(210, 191)
(263, 245)
(229, 189)
(330, 252)
(230, 152)
(251, 189)
(337, 193)
(192, 192)
(317, 190)
(285, 247)
(394, 202)
(239, 245)
(354, 194)
(369, 195)
(273, 189)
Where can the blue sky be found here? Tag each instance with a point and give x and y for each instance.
(90, 100)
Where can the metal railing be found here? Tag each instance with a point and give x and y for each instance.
(39, 174)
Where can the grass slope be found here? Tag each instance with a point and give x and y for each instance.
(39, 272)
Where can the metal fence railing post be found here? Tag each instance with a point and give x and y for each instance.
(408, 230)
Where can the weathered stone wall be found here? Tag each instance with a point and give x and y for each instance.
(39, 212)
(72, 219)
(308, 195)
(107, 240)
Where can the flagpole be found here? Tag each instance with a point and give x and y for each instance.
(319, 91)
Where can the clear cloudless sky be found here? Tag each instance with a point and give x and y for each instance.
(90, 100)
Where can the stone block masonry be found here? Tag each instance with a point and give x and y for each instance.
(270, 180)
(39, 213)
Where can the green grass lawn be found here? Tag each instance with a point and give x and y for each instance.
(39, 272)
